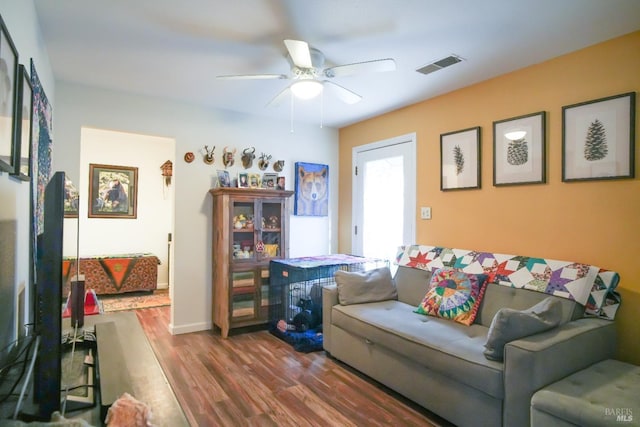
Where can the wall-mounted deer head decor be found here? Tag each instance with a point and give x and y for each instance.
(208, 155)
(228, 157)
(263, 163)
(248, 154)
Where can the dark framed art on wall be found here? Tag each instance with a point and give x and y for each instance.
(311, 189)
(8, 85)
(23, 125)
(460, 159)
(113, 191)
(598, 139)
(519, 150)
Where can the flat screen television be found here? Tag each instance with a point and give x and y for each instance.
(48, 300)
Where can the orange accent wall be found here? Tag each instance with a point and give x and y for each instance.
(595, 222)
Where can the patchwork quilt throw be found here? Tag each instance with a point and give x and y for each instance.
(588, 285)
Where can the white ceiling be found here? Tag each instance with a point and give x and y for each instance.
(174, 48)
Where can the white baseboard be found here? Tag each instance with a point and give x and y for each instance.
(192, 327)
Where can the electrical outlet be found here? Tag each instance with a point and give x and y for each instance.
(425, 212)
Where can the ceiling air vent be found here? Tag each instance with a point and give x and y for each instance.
(439, 64)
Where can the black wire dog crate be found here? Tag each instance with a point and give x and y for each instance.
(296, 279)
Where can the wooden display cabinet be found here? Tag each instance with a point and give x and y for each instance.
(250, 228)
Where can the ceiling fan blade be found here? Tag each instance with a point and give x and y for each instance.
(277, 100)
(347, 96)
(252, 77)
(299, 53)
(374, 66)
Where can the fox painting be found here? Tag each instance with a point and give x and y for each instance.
(312, 189)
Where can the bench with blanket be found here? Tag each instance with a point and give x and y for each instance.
(113, 274)
(470, 335)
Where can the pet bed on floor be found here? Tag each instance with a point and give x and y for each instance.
(305, 342)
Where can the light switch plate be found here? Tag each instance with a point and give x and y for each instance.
(425, 212)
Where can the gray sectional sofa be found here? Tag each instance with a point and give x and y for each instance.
(440, 364)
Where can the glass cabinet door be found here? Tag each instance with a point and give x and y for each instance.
(271, 229)
(243, 225)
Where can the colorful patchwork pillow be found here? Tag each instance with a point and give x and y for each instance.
(453, 295)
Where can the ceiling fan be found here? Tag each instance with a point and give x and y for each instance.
(310, 77)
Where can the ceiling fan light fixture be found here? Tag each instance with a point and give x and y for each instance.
(306, 89)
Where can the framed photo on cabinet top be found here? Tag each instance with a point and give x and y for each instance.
(269, 180)
(243, 180)
(224, 180)
(519, 150)
(598, 139)
(460, 160)
(255, 180)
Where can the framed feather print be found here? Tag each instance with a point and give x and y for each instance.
(460, 160)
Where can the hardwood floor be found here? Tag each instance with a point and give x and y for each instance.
(256, 379)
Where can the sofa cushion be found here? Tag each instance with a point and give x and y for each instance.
(412, 284)
(497, 297)
(357, 287)
(449, 348)
(509, 324)
(453, 295)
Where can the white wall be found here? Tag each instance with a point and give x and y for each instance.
(192, 128)
(148, 232)
(22, 24)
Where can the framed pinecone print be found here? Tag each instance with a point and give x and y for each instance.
(519, 150)
(598, 139)
(460, 159)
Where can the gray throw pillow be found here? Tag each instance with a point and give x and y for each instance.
(357, 287)
(509, 324)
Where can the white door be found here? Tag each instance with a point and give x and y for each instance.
(384, 194)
